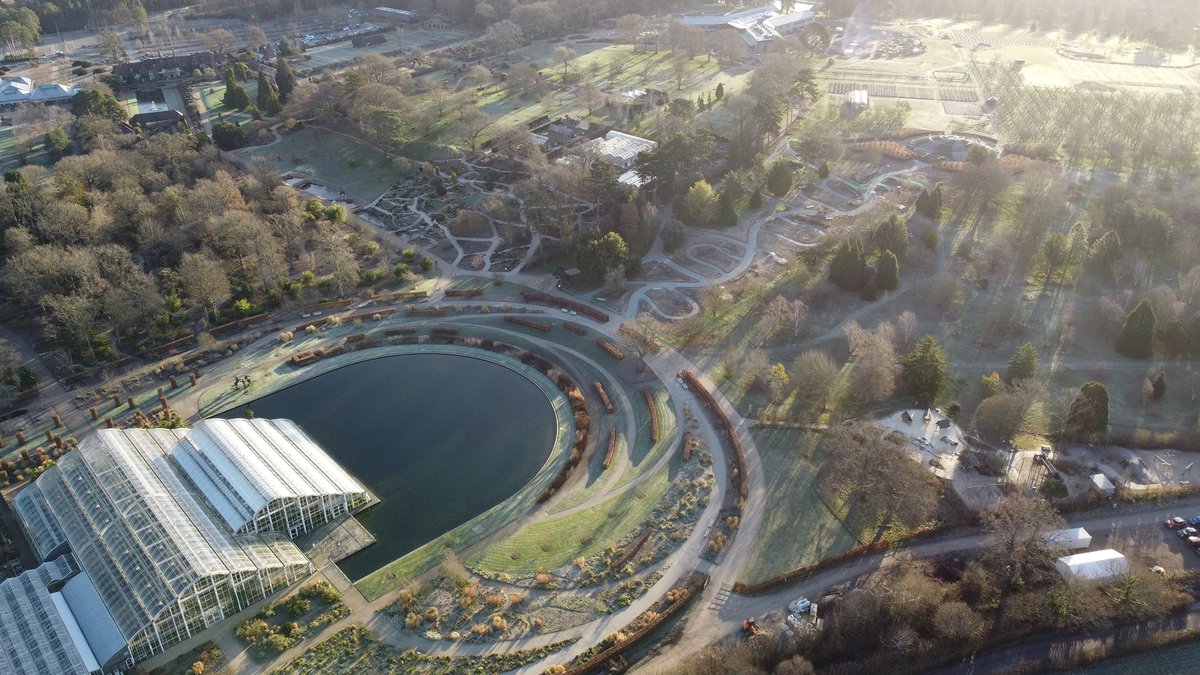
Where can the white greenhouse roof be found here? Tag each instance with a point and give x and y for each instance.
(243, 465)
(1101, 564)
(1075, 537)
(1102, 483)
(35, 637)
(143, 537)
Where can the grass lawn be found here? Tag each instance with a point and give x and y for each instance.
(798, 528)
(601, 526)
(332, 159)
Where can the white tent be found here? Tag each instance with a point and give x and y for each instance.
(1101, 484)
(1071, 538)
(1103, 564)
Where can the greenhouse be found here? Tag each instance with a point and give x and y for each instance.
(174, 530)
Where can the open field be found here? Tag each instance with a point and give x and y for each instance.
(340, 54)
(798, 528)
(332, 159)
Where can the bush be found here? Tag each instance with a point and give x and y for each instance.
(298, 606)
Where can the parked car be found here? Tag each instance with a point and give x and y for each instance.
(1193, 541)
(800, 606)
(1172, 523)
(1187, 532)
(1194, 521)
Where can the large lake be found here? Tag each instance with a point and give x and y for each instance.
(438, 438)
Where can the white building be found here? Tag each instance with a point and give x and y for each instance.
(169, 531)
(859, 99)
(1101, 484)
(1092, 565)
(16, 90)
(759, 25)
(621, 150)
(1070, 539)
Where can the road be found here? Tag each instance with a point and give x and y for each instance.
(708, 627)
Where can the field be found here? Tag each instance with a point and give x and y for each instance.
(798, 528)
(9, 152)
(332, 159)
(339, 54)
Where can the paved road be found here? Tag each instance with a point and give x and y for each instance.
(708, 627)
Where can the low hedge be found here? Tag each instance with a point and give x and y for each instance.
(608, 406)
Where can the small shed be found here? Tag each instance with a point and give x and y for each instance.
(1093, 565)
(1070, 538)
(858, 99)
(1101, 484)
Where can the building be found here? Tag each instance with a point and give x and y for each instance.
(393, 15)
(858, 99)
(158, 120)
(1092, 566)
(621, 150)
(758, 26)
(166, 68)
(1070, 539)
(170, 531)
(17, 90)
(1101, 484)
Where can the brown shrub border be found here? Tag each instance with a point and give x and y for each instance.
(739, 455)
(687, 445)
(653, 413)
(608, 406)
(547, 299)
(612, 447)
(426, 311)
(392, 332)
(633, 549)
(463, 292)
(529, 323)
(665, 609)
(609, 347)
(574, 328)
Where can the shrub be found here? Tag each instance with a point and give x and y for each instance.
(298, 606)
(499, 624)
(432, 615)
(406, 599)
(494, 599)
(481, 629)
(251, 630)
(516, 598)
(412, 620)
(542, 579)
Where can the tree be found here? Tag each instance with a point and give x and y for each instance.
(1158, 384)
(907, 324)
(726, 215)
(756, 199)
(720, 94)
(204, 282)
(848, 270)
(1088, 415)
(599, 254)
(823, 170)
(1137, 334)
(98, 99)
(1017, 524)
(875, 367)
(814, 374)
(111, 45)
(1023, 365)
(235, 96)
(887, 272)
(777, 382)
(471, 125)
(58, 143)
(779, 178)
(924, 370)
(564, 55)
(699, 204)
(228, 136)
(268, 98)
(1056, 253)
(285, 79)
(255, 37)
(503, 36)
(782, 313)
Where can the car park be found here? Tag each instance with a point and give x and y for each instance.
(1194, 521)
(1186, 532)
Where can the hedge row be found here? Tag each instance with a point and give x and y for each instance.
(391, 332)
(402, 295)
(666, 609)
(322, 306)
(804, 572)
(164, 349)
(612, 447)
(570, 305)
(427, 311)
(529, 323)
(314, 355)
(574, 328)
(609, 347)
(739, 455)
(234, 326)
(687, 445)
(633, 549)
(608, 406)
(646, 394)
(443, 330)
(463, 292)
